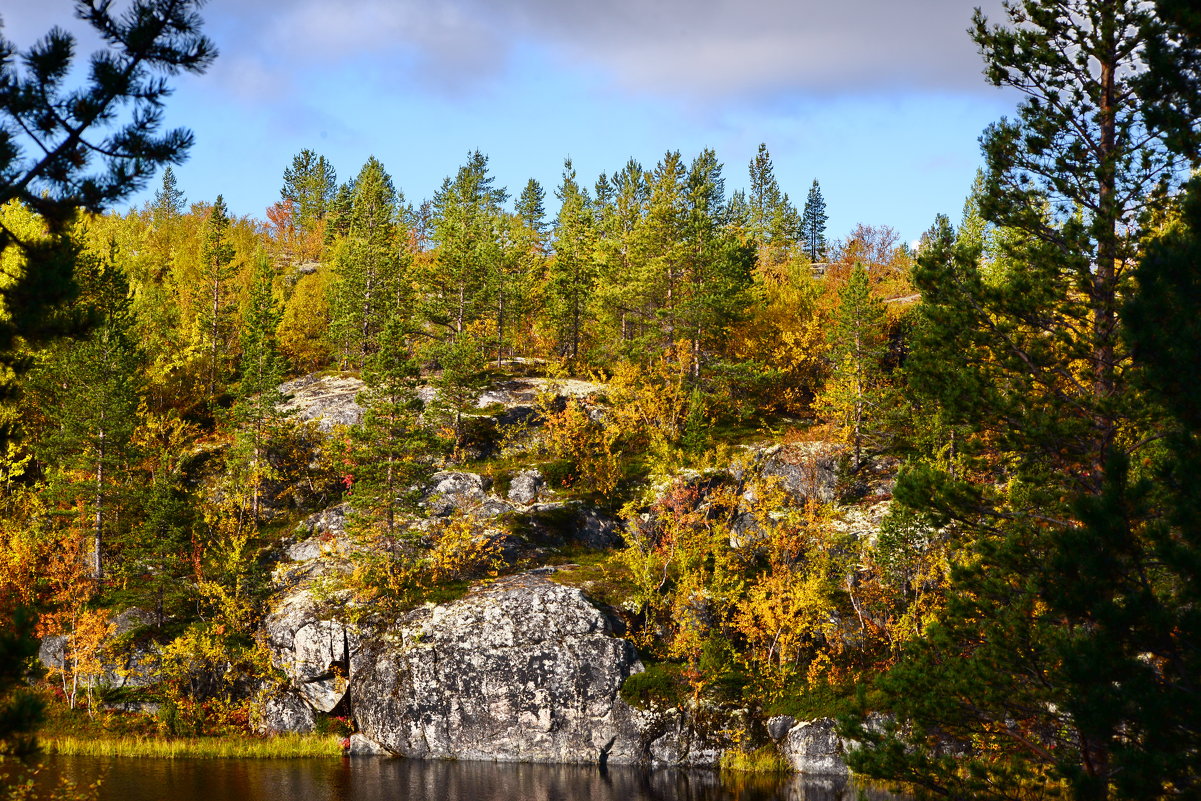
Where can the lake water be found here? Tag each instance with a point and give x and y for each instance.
(372, 779)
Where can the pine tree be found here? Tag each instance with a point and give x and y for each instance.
(463, 278)
(570, 275)
(309, 185)
(618, 251)
(1042, 659)
(660, 265)
(389, 440)
(813, 224)
(369, 266)
(459, 382)
(92, 388)
(169, 200)
(718, 267)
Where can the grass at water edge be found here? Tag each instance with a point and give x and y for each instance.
(284, 746)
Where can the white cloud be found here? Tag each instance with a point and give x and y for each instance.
(702, 48)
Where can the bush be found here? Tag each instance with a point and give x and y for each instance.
(659, 686)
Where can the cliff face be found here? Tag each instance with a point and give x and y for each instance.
(522, 670)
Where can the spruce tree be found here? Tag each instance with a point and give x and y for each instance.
(773, 221)
(531, 207)
(169, 200)
(813, 224)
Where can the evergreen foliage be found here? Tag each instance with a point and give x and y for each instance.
(216, 305)
(465, 226)
(813, 224)
(1045, 659)
(369, 266)
(309, 185)
(169, 201)
(570, 275)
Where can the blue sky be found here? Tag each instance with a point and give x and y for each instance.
(881, 100)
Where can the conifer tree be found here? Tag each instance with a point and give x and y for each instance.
(215, 304)
(619, 249)
(718, 267)
(531, 207)
(813, 224)
(390, 439)
(369, 266)
(309, 185)
(256, 409)
(466, 232)
(460, 380)
(92, 388)
(773, 222)
(169, 200)
(661, 239)
(1042, 659)
(571, 270)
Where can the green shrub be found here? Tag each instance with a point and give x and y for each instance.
(661, 685)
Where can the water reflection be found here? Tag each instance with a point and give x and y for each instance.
(394, 779)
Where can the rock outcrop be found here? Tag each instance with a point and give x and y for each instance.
(124, 663)
(811, 747)
(522, 670)
(328, 399)
(314, 653)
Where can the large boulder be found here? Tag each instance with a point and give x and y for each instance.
(311, 649)
(527, 487)
(811, 747)
(284, 712)
(451, 492)
(521, 670)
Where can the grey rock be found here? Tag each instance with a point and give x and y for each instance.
(677, 741)
(304, 550)
(597, 530)
(328, 399)
(361, 745)
(318, 535)
(314, 652)
(283, 713)
(130, 619)
(522, 670)
(814, 748)
(779, 726)
(127, 665)
(451, 492)
(806, 471)
(330, 521)
(526, 487)
(52, 651)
